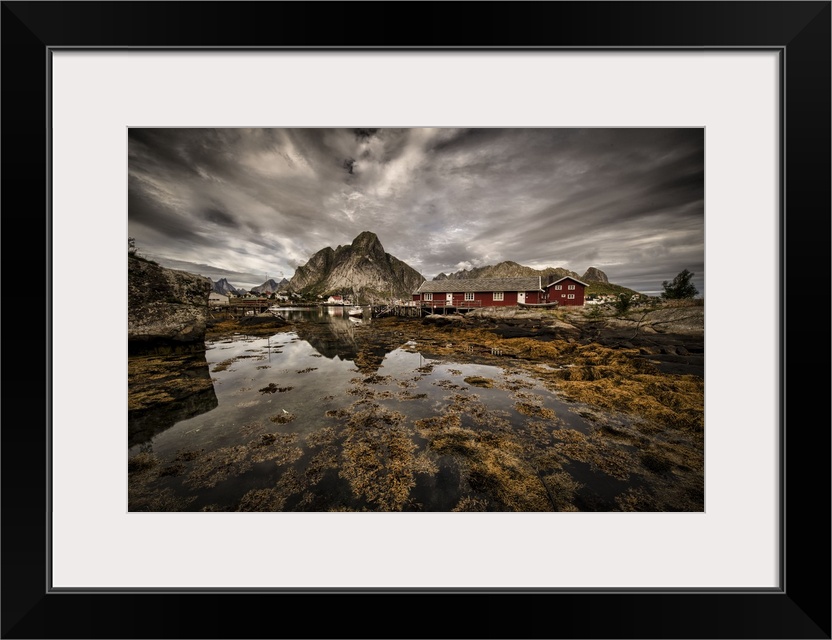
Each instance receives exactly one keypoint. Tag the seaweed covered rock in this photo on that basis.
(167, 310)
(440, 320)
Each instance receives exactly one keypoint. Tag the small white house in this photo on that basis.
(216, 299)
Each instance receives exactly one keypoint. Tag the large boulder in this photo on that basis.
(167, 310)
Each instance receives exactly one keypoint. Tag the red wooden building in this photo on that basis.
(567, 291)
(480, 292)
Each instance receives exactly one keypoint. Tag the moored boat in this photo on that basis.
(538, 305)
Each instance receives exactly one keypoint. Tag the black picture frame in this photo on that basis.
(799, 31)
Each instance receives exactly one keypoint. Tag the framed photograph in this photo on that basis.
(118, 113)
(372, 373)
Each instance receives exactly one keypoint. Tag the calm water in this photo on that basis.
(299, 421)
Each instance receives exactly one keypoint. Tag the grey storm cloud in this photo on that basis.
(247, 202)
(219, 216)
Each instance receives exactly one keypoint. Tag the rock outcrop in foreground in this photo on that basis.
(167, 310)
(670, 335)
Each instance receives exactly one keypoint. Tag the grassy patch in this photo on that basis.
(218, 465)
(321, 437)
(656, 463)
(224, 365)
(406, 395)
(377, 379)
(142, 461)
(535, 411)
(262, 500)
(279, 447)
(378, 458)
(561, 488)
(479, 381)
(493, 466)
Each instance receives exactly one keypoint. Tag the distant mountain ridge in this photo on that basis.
(597, 280)
(270, 286)
(509, 269)
(361, 268)
(224, 287)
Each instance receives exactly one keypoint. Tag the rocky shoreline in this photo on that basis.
(669, 336)
(648, 362)
(635, 378)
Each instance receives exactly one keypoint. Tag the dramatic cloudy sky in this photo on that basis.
(250, 203)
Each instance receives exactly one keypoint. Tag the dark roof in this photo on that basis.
(567, 278)
(480, 284)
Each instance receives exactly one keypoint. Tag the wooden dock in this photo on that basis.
(398, 310)
(239, 308)
(423, 309)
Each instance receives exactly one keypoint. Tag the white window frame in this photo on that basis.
(558, 287)
(469, 295)
(571, 296)
(498, 296)
(428, 297)
(571, 286)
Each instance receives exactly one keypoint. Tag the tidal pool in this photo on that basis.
(311, 420)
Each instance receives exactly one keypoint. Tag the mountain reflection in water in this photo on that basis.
(166, 390)
(329, 331)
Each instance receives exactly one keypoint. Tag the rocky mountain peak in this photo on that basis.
(365, 239)
(223, 286)
(361, 269)
(269, 286)
(594, 274)
(366, 245)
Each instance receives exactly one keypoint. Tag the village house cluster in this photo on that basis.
(223, 299)
(501, 292)
(465, 294)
